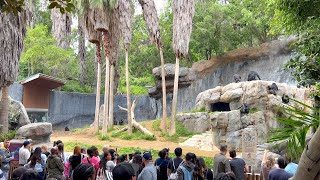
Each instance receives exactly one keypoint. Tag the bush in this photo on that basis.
(7, 136)
(136, 135)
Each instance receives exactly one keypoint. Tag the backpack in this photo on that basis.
(101, 175)
(187, 175)
(174, 174)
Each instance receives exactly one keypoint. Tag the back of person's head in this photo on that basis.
(137, 159)
(130, 156)
(125, 156)
(123, 171)
(30, 175)
(90, 152)
(178, 152)
(233, 153)
(83, 150)
(54, 151)
(162, 154)
(37, 152)
(44, 148)
(17, 173)
(113, 154)
(191, 157)
(83, 172)
(282, 162)
(270, 162)
(95, 150)
(55, 143)
(120, 159)
(223, 148)
(60, 147)
(202, 163)
(77, 151)
(137, 152)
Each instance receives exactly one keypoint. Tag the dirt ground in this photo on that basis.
(88, 136)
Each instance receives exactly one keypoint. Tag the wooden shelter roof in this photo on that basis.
(43, 80)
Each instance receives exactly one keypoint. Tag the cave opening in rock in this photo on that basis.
(220, 106)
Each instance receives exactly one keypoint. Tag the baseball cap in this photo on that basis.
(123, 171)
(26, 143)
(147, 156)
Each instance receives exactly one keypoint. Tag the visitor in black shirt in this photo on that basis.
(238, 166)
(175, 162)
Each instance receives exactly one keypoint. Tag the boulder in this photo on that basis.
(234, 123)
(205, 98)
(17, 115)
(219, 119)
(38, 132)
(195, 122)
(169, 71)
(231, 95)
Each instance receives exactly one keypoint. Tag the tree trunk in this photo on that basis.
(61, 28)
(164, 94)
(81, 51)
(128, 93)
(106, 85)
(309, 164)
(96, 117)
(174, 99)
(4, 110)
(111, 96)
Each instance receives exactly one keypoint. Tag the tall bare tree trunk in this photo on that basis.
(111, 96)
(96, 116)
(174, 99)
(81, 51)
(4, 110)
(164, 94)
(107, 84)
(61, 27)
(309, 164)
(128, 94)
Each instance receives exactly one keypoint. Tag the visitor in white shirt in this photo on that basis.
(24, 153)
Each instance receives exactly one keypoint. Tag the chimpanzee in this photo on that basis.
(244, 108)
(273, 88)
(252, 76)
(285, 99)
(66, 128)
(236, 78)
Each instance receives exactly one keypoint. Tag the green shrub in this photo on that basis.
(7, 136)
(201, 109)
(136, 135)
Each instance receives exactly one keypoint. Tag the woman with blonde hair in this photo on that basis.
(268, 164)
(74, 160)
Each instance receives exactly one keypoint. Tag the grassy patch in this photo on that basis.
(136, 135)
(7, 136)
(128, 150)
(253, 110)
(181, 132)
(85, 128)
(201, 109)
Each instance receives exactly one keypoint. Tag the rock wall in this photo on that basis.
(16, 91)
(227, 126)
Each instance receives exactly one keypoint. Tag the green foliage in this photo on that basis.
(201, 109)
(253, 110)
(137, 85)
(74, 86)
(104, 138)
(136, 135)
(7, 136)
(297, 122)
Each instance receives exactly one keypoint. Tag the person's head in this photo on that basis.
(137, 159)
(146, 157)
(167, 150)
(123, 171)
(30, 175)
(130, 156)
(233, 153)
(6, 143)
(27, 144)
(270, 162)
(125, 157)
(120, 159)
(17, 173)
(282, 162)
(83, 150)
(83, 172)
(60, 147)
(44, 148)
(224, 149)
(191, 157)
(33, 160)
(113, 154)
(90, 152)
(162, 154)
(95, 151)
(202, 163)
(77, 151)
(105, 149)
(54, 151)
(37, 152)
(55, 143)
(178, 152)
(137, 153)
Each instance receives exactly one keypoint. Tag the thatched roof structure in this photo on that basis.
(183, 12)
(152, 20)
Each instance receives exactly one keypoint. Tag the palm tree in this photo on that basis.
(81, 50)
(183, 12)
(297, 123)
(61, 28)
(126, 30)
(12, 33)
(152, 21)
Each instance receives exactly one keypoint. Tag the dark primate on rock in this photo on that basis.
(273, 88)
(285, 99)
(244, 109)
(66, 128)
(252, 76)
(237, 78)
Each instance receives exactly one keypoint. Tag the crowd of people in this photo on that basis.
(89, 164)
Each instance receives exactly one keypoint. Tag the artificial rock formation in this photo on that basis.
(186, 77)
(222, 114)
(17, 115)
(38, 132)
